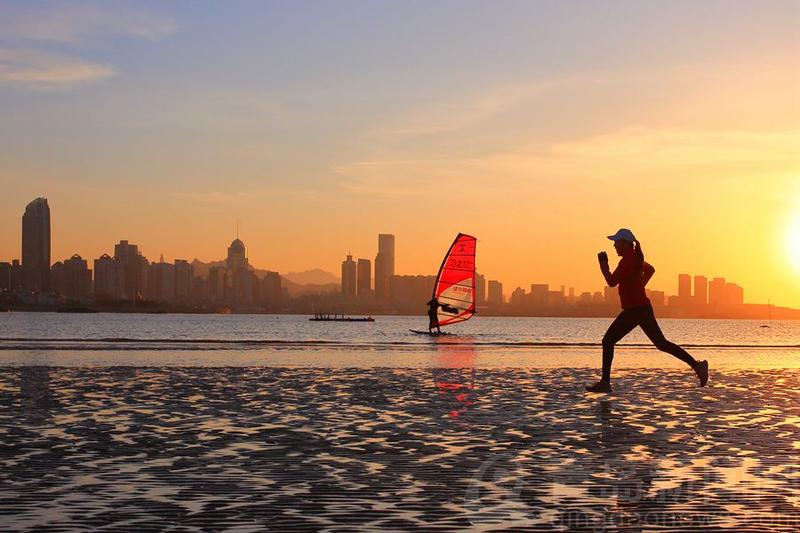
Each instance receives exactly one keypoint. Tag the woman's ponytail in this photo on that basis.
(637, 249)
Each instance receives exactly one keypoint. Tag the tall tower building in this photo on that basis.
(716, 292)
(480, 289)
(131, 272)
(237, 256)
(349, 276)
(384, 265)
(684, 287)
(36, 246)
(495, 292)
(700, 290)
(363, 278)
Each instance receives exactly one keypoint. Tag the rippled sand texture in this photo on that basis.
(249, 448)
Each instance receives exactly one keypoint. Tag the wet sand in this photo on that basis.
(248, 449)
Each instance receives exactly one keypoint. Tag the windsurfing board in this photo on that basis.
(431, 333)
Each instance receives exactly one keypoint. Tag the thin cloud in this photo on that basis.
(447, 117)
(45, 71)
(73, 23)
(627, 152)
(238, 197)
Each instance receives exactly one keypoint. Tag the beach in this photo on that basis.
(257, 448)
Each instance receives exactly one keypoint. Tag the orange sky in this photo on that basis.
(538, 147)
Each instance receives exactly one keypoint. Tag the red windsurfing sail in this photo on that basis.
(455, 284)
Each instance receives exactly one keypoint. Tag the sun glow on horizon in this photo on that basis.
(793, 240)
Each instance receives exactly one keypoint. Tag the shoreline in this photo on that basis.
(663, 313)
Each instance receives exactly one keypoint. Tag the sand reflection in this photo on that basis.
(314, 448)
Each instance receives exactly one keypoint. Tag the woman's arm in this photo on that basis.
(647, 273)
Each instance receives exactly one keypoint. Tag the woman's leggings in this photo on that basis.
(643, 317)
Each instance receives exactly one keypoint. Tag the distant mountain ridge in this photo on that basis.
(316, 281)
(315, 276)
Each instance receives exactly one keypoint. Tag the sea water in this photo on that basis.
(140, 339)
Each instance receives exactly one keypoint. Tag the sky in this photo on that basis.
(538, 126)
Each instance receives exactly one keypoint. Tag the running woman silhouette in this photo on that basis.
(631, 275)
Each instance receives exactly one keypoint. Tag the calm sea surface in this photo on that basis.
(103, 339)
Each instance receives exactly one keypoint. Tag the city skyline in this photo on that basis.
(129, 275)
(464, 119)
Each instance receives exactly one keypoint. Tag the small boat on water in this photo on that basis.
(324, 317)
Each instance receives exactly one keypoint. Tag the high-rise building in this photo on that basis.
(105, 277)
(349, 276)
(72, 279)
(243, 281)
(734, 294)
(495, 295)
(518, 296)
(131, 271)
(16, 275)
(539, 295)
(480, 289)
(184, 274)
(411, 292)
(684, 287)
(5, 276)
(384, 265)
(217, 286)
(237, 255)
(271, 291)
(363, 278)
(239, 281)
(161, 282)
(657, 298)
(700, 291)
(36, 246)
(716, 292)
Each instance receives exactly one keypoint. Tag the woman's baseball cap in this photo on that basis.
(622, 234)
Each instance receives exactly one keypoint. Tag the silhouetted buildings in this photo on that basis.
(480, 289)
(130, 272)
(684, 287)
(72, 279)
(16, 275)
(128, 281)
(657, 298)
(161, 282)
(411, 293)
(105, 277)
(384, 266)
(539, 294)
(349, 277)
(5, 276)
(364, 278)
(233, 285)
(271, 291)
(183, 282)
(36, 246)
(495, 293)
(700, 291)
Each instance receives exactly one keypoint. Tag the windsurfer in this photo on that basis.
(433, 315)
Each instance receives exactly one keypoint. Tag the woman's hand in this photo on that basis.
(602, 257)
